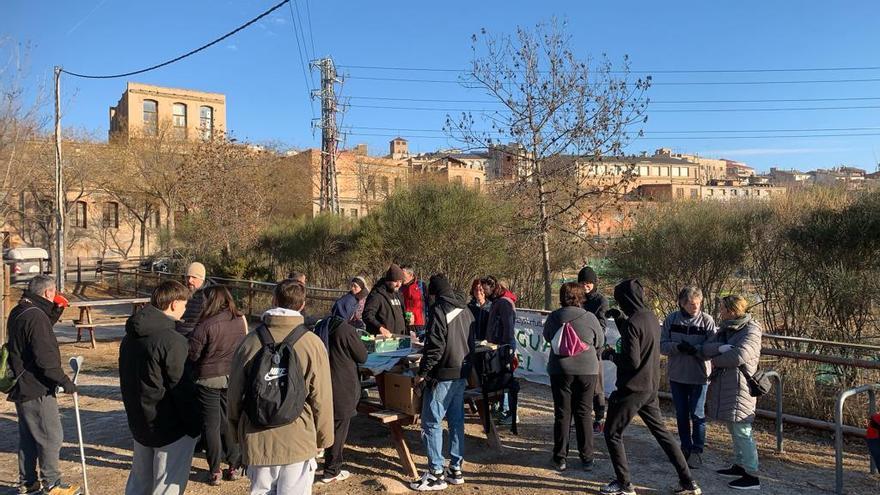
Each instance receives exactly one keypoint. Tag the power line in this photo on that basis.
(661, 102)
(789, 136)
(302, 59)
(185, 55)
(659, 71)
(692, 110)
(653, 83)
(311, 31)
(696, 131)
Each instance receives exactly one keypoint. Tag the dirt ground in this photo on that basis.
(521, 467)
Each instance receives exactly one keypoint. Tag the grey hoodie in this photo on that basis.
(588, 330)
(696, 330)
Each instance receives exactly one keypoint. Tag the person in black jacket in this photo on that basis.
(36, 362)
(573, 379)
(346, 351)
(383, 311)
(444, 368)
(159, 394)
(597, 304)
(638, 379)
(479, 306)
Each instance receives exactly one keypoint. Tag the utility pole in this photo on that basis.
(59, 190)
(329, 193)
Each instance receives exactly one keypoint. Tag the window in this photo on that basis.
(110, 218)
(679, 192)
(711, 192)
(206, 122)
(664, 171)
(156, 219)
(397, 183)
(643, 171)
(371, 187)
(151, 117)
(476, 183)
(694, 193)
(80, 210)
(178, 120)
(354, 213)
(383, 182)
(457, 180)
(655, 171)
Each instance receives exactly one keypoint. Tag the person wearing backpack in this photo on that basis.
(573, 366)
(735, 350)
(443, 370)
(682, 336)
(34, 359)
(280, 397)
(159, 395)
(346, 351)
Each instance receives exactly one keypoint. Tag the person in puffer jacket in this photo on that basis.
(681, 339)
(737, 344)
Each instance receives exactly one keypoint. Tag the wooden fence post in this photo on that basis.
(78, 271)
(250, 306)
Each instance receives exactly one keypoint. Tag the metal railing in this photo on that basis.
(871, 390)
(779, 415)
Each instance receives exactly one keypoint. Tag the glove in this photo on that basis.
(724, 348)
(614, 313)
(69, 387)
(608, 354)
(686, 348)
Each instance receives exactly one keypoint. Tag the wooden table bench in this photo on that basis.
(85, 322)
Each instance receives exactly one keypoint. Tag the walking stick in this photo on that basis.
(76, 366)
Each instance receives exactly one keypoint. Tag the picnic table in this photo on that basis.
(85, 321)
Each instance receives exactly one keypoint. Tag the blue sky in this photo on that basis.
(267, 95)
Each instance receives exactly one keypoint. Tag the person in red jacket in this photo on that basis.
(413, 292)
(872, 437)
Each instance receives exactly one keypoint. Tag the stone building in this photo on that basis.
(146, 110)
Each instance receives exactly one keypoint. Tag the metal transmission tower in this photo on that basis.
(329, 193)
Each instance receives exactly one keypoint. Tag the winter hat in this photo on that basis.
(588, 275)
(394, 274)
(196, 269)
(361, 282)
(438, 285)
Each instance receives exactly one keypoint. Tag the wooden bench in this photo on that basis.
(85, 314)
(91, 328)
(394, 420)
(475, 396)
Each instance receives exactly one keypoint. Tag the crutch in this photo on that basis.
(76, 366)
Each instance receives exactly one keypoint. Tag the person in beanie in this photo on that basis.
(597, 304)
(196, 281)
(159, 395)
(383, 311)
(34, 358)
(350, 307)
(414, 301)
(443, 371)
(638, 379)
(682, 336)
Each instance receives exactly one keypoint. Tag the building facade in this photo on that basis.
(145, 110)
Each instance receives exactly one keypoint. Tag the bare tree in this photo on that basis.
(562, 115)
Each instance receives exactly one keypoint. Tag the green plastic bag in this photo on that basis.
(7, 379)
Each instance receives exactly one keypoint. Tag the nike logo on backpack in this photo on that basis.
(275, 373)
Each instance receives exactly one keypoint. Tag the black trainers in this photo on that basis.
(429, 482)
(560, 465)
(695, 460)
(734, 471)
(587, 465)
(616, 488)
(747, 482)
(453, 476)
(689, 488)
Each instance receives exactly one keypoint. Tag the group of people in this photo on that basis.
(188, 360)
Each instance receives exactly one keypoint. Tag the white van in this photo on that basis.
(25, 263)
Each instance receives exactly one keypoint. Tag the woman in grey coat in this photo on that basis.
(735, 349)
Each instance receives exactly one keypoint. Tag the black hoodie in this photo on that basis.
(638, 363)
(33, 348)
(158, 393)
(384, 308)
(449, 338)
(346, 352)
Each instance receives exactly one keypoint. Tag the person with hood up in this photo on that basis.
(596, 303)
(159, 395)
(444, 369)
(681, 339)
(35, 360)
(346, 351)
(350, 307)
(383, 311)
(573, 379)
(638, 379)
(735, 350)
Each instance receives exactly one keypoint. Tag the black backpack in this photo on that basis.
(495, 371)
(759, 383)
(276, 394)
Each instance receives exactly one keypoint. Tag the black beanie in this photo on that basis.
(438, 285)
(394, 274)
(588, 275)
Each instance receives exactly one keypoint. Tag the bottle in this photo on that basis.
(618, 347)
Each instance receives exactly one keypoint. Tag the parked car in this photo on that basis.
(26, 263)
(155, 265)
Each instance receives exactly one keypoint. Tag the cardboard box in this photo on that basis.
(400, 395)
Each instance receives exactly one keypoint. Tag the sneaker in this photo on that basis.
(32, 489)
(598, 428)
(587, 465)
(734, 471)
(233, 474)
(560, 465)
(695, 460)
(453, 476)
(747, 482)
(505, 419)
(214, 479)
(689, 488)
(342, 476)
(429, 482)
(616, 488)
(60, 488)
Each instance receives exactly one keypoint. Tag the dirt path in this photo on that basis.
(522, 467)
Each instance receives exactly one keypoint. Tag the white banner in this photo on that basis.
(533, 351)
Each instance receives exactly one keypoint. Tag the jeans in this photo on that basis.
(443, 399)
(39, 439)
(220, 441)
(160, 470)
(745, 452)
(572, 394)
(690, 414)
(622, 408)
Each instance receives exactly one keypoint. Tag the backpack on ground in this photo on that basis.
(495, 372)
(276, 390)
(566, 342)
(759, 383)
(7, 377)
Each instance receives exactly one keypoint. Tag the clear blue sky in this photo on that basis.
(259, 69)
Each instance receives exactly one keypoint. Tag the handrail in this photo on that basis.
(779, 393)
(830, 343)
(838, 429)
